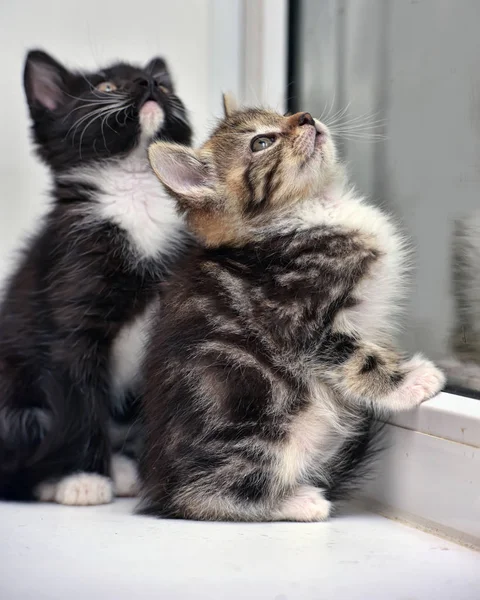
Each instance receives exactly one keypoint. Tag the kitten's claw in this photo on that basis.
(422, 381)
(307, 504)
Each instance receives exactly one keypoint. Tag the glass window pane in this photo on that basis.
(402, 81)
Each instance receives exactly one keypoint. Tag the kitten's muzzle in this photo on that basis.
(321, 133)
(146, 89)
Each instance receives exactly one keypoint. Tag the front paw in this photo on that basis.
(422, 380)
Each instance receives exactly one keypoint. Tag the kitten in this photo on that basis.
(75, 312)
(463, 366)
(275, 339)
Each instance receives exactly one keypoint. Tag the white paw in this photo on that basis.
(45, 492)
(307, 504)
(125, 476)
(422, 381)
(80, 489)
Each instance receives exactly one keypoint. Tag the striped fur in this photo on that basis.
(276, 346)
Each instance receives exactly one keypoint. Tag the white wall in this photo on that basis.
(88, 34)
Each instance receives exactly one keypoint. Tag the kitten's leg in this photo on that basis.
(125, 434)
(125, 476)
(82, 448)
(303, 503)
(237, 491)
(379, 376)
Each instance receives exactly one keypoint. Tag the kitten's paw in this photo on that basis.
(422, 381)
(125, 476)
(84, 489)
(307, 504)
(45, 492)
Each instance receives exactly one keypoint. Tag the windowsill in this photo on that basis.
(56, 552)
(429, 475)
(448, 416)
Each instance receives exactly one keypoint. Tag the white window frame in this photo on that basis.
(249, 52)
(430, 473)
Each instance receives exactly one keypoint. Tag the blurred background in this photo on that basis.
(399, 79)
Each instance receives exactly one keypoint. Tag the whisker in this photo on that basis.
(339, 114)
(105, 115)
(372, 137)
(358, 127)
(95, 112)
(179, 118)
(84, 130)
(367, 117)
(325, 107)
(114, 96)
(86, 104)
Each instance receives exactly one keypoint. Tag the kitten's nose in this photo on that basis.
(305, 119)
(142, 82)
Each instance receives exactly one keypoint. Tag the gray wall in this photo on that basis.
(416, 63)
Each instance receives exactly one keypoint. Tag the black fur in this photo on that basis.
(79, 281)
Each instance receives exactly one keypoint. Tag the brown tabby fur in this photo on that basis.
(275, 343)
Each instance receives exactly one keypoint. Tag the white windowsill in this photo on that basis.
(430, 473)
(56, 552)
(454, 418)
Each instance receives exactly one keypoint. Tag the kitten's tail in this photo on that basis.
(21, 433)
(353, 463)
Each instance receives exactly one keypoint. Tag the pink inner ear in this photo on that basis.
(45, 86)
(182, 174)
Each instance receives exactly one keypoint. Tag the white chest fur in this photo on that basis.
(131, 196)
(128, 351)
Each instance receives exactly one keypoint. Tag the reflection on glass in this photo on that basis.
(463, 364)
(401, 81)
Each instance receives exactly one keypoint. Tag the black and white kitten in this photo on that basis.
(72, 321)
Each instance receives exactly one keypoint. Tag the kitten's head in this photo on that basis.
(253, 168)
(83, 116)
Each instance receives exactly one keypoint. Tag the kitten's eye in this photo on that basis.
(164, 89)
(106, 86)
(262, 142)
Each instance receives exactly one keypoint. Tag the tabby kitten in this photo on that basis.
(75, 312)
(275, 342)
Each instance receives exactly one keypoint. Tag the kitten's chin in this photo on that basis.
(151, 118)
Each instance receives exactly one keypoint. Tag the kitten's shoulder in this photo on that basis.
(347, 211)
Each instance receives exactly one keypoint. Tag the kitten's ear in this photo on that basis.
(230, 104)
(189, 177)
(158, 69)
(45, 81)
